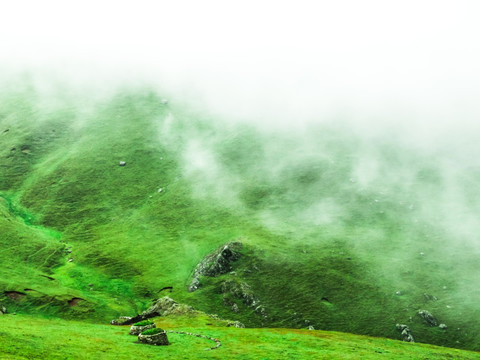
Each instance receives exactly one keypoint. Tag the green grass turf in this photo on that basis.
(27, 337)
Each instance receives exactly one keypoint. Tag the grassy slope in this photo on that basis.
(63, 187)
(26, 337)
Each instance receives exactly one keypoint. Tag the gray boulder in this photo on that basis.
(428, 317)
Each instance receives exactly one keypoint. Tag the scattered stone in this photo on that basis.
(443, 326)
(236, 324)
(241, 291)
(3, 309)
(310, 327)
(406, 333)
(137, 330)
(216, 263)
(122, 163)
(159, 338)
(428, 317)
(90, 284)
(398, 293)
(70, 260)
(422, 253)
(429, 297)
(160, 190)
(164, 101)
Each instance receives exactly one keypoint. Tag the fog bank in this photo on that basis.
(407, 67)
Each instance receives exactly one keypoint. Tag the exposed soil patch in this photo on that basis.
(74, 301)
(15, 295)
(48, 277)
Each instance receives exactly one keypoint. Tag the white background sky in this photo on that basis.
(274, 61)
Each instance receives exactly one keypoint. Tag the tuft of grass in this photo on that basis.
(143, 323)
(152, 331)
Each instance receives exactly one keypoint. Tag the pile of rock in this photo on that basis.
(161, 307)
(158, 337)
(406, 333)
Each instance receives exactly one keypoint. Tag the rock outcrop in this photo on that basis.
(428, 317)
(161, 307)
(216, 263)
(405, 331)
(166, 306)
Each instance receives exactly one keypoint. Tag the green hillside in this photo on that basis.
(338, 231)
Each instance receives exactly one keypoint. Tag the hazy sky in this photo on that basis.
(413, 62)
